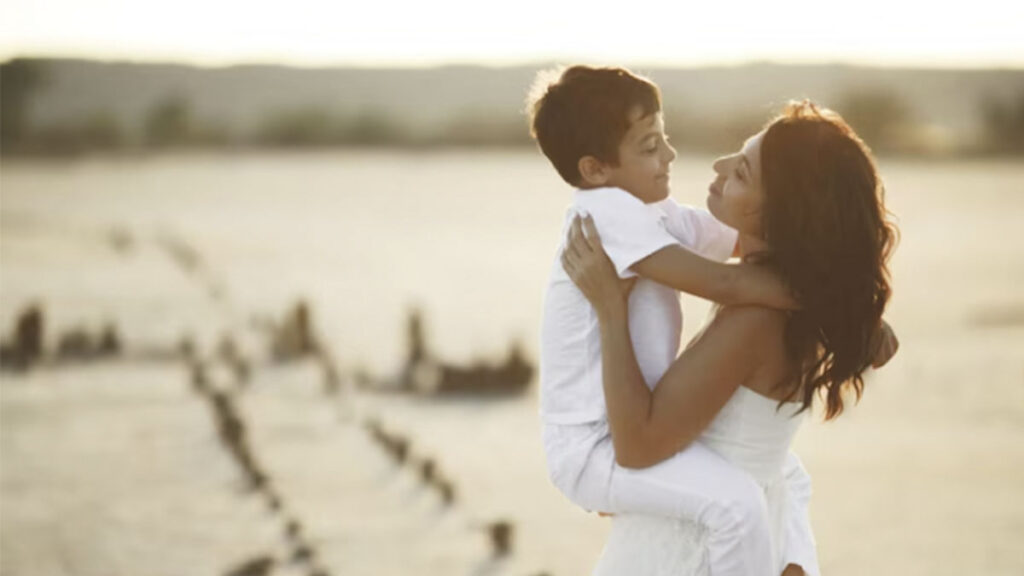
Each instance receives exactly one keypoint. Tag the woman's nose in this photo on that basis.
(719, 165)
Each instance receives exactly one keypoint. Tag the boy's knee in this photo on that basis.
(741, 514)
(566, 481)
(557, 479)
(751, 511)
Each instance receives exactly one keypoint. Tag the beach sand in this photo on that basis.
(117, 466)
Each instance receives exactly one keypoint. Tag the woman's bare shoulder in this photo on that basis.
(758, 326)
(763, 331)
(753, 317)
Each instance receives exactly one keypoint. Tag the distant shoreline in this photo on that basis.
(527, 64)
(64, 107)
(143, 154)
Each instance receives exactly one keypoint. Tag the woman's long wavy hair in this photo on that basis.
(825, 219)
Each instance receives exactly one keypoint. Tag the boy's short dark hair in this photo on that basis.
(584, 111)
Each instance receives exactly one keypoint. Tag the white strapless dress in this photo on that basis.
(750, 433)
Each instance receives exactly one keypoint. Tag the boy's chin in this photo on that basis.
(650, 196)
(657, 194)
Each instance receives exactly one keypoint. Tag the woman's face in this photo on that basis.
(736, 196)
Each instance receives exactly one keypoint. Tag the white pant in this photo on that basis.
(696, 484)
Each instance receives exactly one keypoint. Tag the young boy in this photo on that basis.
(602, 130)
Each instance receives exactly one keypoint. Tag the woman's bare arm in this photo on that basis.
(650, 426)
(646, 426)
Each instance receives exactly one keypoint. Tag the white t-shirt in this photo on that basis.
(571, 391)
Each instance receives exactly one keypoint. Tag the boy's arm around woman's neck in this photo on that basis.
(727, 284)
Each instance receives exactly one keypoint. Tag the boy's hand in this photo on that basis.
(885, 344)
(793, 570)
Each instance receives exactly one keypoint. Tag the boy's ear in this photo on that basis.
(593, 171)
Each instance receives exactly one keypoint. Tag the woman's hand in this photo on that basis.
(589, 267)
(885, 345)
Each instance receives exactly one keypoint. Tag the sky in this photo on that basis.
(980, 33)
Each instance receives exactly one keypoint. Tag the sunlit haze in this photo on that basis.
(321, 32)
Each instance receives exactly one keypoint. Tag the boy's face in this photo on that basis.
(645, 157)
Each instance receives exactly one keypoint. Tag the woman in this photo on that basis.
(807, 201)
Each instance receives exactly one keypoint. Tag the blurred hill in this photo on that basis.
(69, 105)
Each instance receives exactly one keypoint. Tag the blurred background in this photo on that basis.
(272, 277)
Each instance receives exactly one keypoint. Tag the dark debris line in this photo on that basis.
(291, 340)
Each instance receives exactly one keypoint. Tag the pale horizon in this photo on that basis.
(450, 32)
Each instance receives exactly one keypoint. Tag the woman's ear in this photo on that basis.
(593, 171)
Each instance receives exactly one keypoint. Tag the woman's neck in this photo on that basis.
(751, 245)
